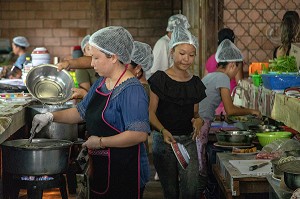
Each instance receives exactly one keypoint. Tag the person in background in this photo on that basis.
(290, 26)
(141, 61)
(174, 102)
(161, 51)
(230, 61)
(19, 46)
(212, 65)
(116, 114)
(85, 77)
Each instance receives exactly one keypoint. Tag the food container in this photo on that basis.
(263, 128)
(268, 137)
(48, 85)
(39, 56)
(280, 81)
(291, 173)
(235, 138)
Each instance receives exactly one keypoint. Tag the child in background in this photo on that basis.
(230, 61)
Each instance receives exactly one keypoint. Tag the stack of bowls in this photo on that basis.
(39, 56)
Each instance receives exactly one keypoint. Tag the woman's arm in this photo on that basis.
(125, 139)
(69, 116)
(197, 121)
(231, 109)
(81, 62)
(168, 138)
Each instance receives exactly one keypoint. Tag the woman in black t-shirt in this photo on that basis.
(174, 101)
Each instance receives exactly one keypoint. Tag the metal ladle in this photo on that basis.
(32, 134)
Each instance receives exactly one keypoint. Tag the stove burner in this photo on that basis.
(35, 185)
(37, 178)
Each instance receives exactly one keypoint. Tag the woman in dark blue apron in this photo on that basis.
(116, 114)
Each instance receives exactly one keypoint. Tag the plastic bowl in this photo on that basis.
(267, 138)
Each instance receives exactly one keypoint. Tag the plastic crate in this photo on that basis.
(280, 81)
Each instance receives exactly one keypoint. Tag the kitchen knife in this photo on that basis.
(253, 167)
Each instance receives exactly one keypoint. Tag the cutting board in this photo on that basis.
(243, 167)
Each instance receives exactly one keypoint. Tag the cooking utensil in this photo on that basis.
(267, 138)
(254, 167)
(32, 133)
(48, 85)
(291, 172)
(181, 154)
(54, 130)
(40, 157)
(235, 138)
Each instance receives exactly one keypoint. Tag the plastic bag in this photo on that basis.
(278, 148)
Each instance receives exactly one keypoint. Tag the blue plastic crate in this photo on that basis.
(280, 81)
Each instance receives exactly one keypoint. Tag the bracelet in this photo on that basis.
(161, 130)
(100, 143)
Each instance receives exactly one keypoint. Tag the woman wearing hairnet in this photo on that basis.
(84, 77)
(116, 114)
(230, 61)
(161, 51)
(174, 102)
(19, 46)
(141, 61)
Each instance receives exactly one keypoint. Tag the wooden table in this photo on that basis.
(232, 183)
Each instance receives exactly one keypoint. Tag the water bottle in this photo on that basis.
(26, 68)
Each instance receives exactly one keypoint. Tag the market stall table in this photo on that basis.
(232, 183)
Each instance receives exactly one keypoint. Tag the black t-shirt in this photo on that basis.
(176, 101)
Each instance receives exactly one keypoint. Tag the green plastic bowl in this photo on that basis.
(268, 137)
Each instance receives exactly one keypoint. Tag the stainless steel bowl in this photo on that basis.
(291, 172)
(235, 138)
(48, 85)
(264, 128)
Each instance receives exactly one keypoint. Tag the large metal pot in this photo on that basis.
(53, 130)
(291, 173)
(235, 138)
(41, 157)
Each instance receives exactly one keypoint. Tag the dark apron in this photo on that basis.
(114, 172)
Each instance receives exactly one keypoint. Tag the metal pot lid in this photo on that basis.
(48, 85)
(290, 167)
(37, 144)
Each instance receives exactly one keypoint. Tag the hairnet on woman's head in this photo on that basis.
(113, 40)
(177, 20)
(21, 41)
(181, 35)
(142, 55)
(228, 52)
(84, 42)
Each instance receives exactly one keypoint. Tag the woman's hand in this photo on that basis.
(63, 65)
(93, 142)
(78, 93)
(257, 113)
(197, 124)
(168, 138)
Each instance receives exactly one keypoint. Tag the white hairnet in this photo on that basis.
(176, 20)
(84, 41)
(21, 41)
(113, 40)
(181, 35)
(228, 52)
(142, 55)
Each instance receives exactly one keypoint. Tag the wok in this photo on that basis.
(235, 138)
(41, 157)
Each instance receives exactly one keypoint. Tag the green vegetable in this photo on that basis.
(283, 64)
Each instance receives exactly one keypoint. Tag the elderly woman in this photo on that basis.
(116, 113)
(174, 102)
